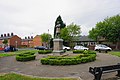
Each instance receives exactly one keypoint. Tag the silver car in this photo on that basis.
(80, 48)
(102, 47)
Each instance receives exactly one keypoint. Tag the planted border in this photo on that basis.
(58, 60)
(26, 56)
(78, 51)
(44, 51)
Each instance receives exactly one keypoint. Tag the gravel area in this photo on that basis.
(35, 68)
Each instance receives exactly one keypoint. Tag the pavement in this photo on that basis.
(35, 68)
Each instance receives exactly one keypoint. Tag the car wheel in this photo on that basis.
(65, 49)
(108, 50)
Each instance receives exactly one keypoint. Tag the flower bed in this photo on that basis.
(26, 56)
(69, 60)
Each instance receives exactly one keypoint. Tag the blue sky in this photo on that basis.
(32, 17)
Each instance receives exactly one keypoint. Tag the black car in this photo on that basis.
(41, 48)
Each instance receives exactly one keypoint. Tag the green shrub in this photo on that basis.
(44, 51)
(84, 51)
(58, 60)
(78, 51)
(26, 56)
(89, 52)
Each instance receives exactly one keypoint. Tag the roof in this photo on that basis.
(7, 37)
(83, 38)
(27, 39)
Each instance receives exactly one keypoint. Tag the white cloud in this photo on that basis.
(24, 17)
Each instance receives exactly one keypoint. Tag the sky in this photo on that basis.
(35, 17)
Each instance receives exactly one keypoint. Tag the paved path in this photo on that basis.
(35, 68)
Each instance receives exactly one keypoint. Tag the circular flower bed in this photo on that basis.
(26, 56)
(69, 60)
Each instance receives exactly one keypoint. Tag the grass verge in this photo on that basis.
(13, 76)
(5, 54)
(115, 53)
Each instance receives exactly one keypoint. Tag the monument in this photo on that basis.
(57, 42)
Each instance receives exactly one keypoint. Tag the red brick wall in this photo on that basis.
(37, 41)
(27, 43)
(0, 41)
(13, 40)
(24, 43)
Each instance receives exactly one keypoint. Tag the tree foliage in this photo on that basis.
(108, 29)
(71, 31)
(5, 41)
(65, 34)
(62, 25)
(46, 37)
(74, 30)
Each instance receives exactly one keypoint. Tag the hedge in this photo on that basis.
(58, 60)
(44, 51)
(84, 51)
(26, 56)
(78, 51)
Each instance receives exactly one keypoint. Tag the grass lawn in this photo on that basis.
(116, 53)
(13, 76)
(5, 54)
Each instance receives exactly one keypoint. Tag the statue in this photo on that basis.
(57, 35)
(58, 26)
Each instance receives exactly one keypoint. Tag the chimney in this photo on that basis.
(25, 37)
(31, 37)
(1, 35)
(11, 34)
(4, 35)
(8, 34)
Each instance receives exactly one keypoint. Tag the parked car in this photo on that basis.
(80, 48)
(1, 49)
(66, 48)
(41, 47)
(10, 48)
(101, 47)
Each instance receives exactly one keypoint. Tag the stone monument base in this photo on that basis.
(58, 46)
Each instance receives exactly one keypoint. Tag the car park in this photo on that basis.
(40, 47)
(80, 48)
(101, 47)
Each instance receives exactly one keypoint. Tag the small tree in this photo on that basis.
(46, 38)
(5, 41)
(70, 32)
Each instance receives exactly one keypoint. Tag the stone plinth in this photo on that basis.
(58, 45)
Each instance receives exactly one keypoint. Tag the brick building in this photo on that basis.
(13, 40)
(37, 41)
(27, 42)
(31, 42)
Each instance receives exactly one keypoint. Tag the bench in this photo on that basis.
(98, 71)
